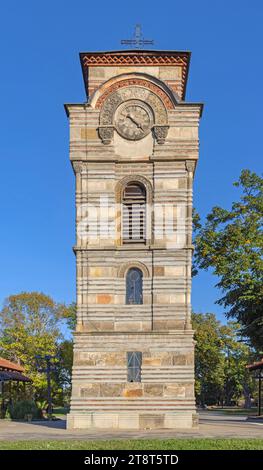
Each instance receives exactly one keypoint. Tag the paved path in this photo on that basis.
(212, 425)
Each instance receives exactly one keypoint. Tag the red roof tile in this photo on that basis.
(5, 364)
(256, 365)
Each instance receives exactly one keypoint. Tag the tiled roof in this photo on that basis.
(5, 364)
(13, 375)
(256, 365)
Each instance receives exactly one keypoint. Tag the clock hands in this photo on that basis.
(133, 121)
(130, 116)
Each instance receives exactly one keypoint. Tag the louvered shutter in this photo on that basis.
(133, 214)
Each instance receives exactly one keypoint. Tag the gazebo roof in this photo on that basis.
(8, 365)
(256, 365)
(16, 376)
(12, 371)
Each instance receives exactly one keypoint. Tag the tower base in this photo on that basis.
(122, 420)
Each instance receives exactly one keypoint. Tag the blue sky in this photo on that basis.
(40, 70)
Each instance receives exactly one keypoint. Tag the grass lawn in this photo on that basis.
(60, 411)
(231, 411)
(143, 444)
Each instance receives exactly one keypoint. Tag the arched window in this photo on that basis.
(134, 286)
(133, 218)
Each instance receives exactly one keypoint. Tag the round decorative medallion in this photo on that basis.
(133, 119)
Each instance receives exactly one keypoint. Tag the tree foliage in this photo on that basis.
(69, 313)
(220, 362)
(231, 243)
(238, 381)
(63, 375)
(209, 360)
(30, 325)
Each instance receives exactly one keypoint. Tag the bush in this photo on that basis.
(21, 409)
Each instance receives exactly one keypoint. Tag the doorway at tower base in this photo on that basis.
(123, 420)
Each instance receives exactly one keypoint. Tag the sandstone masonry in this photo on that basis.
(104, 162)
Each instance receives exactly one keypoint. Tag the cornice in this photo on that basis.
(135, 58)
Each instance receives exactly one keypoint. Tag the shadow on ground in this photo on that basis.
(54, 424)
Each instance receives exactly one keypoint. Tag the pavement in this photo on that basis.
(211, 425)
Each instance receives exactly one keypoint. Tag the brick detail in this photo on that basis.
(136, 82)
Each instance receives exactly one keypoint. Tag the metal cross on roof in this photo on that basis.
(138, 41)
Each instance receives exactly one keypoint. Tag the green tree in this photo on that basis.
(220, 362)
(238, 382)
(30, 325)
(65, 354)
(69, 313)
(231, 243)
(209, 359)
(63, 376)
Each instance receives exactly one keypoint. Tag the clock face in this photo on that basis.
(133, 120)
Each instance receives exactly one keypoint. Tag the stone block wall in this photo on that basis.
(104, 162)
(102, 395)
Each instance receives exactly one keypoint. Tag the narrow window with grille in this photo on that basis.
(134, 366)
(134, 286)
(134, 213)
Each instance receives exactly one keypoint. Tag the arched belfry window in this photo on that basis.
(134, 213)
(134, 286)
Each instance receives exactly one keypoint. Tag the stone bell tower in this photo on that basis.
(133, 148)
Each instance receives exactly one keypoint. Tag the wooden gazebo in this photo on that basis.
(10, 372)
(258, 366)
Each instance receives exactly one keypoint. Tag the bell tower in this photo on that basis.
(134, 149)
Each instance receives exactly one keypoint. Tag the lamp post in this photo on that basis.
(45, 364)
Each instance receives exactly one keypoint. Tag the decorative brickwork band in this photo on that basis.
(131, 82)
(143, 59)
(131, 59)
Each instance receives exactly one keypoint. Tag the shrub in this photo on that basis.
(21, 409)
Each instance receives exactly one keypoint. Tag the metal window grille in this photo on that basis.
(134, 214)
(134, 366)
(134, 286)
